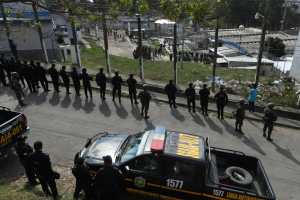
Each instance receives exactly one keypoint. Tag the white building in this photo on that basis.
(56, 31)
(295, 70)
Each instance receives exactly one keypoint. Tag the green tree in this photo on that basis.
(275, 46)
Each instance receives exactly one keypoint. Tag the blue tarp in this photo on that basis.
(28, 14)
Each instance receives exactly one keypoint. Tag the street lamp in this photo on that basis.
(262, 44)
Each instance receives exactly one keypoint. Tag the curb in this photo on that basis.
(126, 94)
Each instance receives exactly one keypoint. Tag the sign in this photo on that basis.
(140, 182)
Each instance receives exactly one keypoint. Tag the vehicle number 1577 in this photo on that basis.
(176, 184)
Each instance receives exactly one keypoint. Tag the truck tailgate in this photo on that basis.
(11, 130)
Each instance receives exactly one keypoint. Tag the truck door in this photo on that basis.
(182, 179)
(142, 176)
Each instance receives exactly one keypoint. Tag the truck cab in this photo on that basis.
(164, 164)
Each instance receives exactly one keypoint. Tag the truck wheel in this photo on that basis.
(239, 175)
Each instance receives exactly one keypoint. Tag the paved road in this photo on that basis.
(64, 123)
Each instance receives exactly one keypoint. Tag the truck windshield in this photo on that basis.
(131, 147)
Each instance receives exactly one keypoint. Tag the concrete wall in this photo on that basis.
(295, 70)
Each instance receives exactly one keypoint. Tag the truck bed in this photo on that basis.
(221, 159)
(6, 115)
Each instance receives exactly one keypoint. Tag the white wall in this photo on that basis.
(26, 37)
(295, 70)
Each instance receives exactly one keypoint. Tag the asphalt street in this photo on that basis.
(64, 123)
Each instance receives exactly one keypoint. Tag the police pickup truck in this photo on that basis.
(163, 164)
(12, 126)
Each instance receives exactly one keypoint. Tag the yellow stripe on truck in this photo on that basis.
(244, 197)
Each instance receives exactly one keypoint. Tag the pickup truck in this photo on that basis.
(13, 125)
(164, 164)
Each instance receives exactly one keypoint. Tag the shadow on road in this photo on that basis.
(149, 125)
(40, 98)
(136, 113)
(121, 111)
(286, 153)
(212, 125)
(54, 101)
(175, 113)
(77, 103)
(247, 140)
(104, 108)
(197, 119)
(89, 105)
(10, 168)
(66, 102)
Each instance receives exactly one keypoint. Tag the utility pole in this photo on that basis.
(175, 54)
(105, 37)
(261, 50)
(75, 41)
(12, 46)
(285, 4)
(140, 47)
(262, 39)
(216, 45)
(39, 29)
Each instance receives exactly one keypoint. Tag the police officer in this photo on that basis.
(19, 71)
(109, 181)
(24, 151)
(190, 94)
(55, 77)
(76, 80)
(204, 98)
(25, 71)
(101, 82)
(86, 78)
(269, 118)
(17, 88)
(240, 116)
(43, 169)
(171, 91)
(221, 100)
(41, 73)
(2, 73)
(66, 80)
(117, 86)
(34, 75)
(83, 179)
(145, 98)
(131, 82)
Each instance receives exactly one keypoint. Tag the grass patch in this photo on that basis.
(162, 71)
(20, 190)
